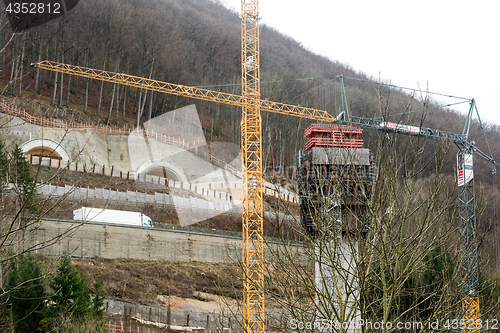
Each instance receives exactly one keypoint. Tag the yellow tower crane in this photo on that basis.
(251, 142)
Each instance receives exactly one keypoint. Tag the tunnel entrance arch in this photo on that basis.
(163, 169)
(45, 148)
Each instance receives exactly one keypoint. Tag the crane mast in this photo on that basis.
(251, 151)
(468, 247)
(468, 225)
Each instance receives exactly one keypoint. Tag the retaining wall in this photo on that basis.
(119, 241)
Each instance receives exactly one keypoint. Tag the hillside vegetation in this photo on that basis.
(197, 43)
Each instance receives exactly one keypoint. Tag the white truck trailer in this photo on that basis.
(87, 214)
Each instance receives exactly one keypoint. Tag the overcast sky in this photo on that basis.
(451, 47)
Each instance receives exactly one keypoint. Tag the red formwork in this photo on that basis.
(334, 193)
(328, 135)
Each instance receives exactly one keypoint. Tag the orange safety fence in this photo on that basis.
(105, 129)
(108, 130)
(127, 329)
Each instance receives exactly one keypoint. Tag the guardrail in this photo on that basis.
(209, 190)
(104, 170)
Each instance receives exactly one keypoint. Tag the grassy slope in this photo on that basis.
(141, 281)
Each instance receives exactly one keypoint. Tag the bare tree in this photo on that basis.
(392, 257)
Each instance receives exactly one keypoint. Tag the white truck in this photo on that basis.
(87, 214)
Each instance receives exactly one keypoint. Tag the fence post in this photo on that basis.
(168, 319)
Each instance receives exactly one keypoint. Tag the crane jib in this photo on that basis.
(185, 91)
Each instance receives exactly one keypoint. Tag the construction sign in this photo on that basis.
(465, 168)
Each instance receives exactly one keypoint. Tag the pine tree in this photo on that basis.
(27, 294)
(24, 183)
(98, 301)
(71, 296)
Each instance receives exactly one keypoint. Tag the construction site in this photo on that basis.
(202, 206)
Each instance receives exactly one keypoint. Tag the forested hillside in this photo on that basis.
(197, 43)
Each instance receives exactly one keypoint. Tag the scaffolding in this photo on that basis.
(336, 175)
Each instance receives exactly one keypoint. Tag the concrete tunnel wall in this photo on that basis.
(123, 151)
